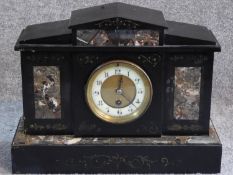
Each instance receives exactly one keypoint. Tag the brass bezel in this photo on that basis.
(127, 118)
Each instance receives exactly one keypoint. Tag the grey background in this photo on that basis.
(217, 15)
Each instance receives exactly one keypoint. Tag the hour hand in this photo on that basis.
(120, 82)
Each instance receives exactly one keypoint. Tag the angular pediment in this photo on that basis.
(116, 24)
(117, 16)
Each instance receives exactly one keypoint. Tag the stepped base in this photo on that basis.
(67, 154)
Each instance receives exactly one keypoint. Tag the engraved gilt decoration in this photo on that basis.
(117, 23)
(187, 93)
(47, 92)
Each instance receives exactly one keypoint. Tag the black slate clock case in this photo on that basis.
(58, 125)
(55, 44)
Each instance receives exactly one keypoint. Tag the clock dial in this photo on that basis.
(119, 92)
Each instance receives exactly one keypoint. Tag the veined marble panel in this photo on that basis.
(138, 38)
(47, 96)
(187, 93)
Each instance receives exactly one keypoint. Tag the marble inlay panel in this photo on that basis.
(118, 37)
(47, 96)
(187, 93)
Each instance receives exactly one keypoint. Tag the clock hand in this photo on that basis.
(123, 95)
(120, 82)
(119, 91)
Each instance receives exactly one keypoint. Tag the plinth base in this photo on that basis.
(67, 154)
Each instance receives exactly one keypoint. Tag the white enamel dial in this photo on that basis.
(119, 91)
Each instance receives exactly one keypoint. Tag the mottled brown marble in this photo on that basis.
(47, 96)
(187, 93)
(118, 37)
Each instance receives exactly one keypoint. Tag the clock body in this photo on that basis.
(108, 75)
(116, 89)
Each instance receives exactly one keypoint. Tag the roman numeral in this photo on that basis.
(98, 82)
(106, 75)
(140, 91)
(117, 71)
(137, 80)
(96, 92)
(100, 103)
(119, 112)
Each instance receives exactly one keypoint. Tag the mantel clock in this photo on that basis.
(116, 89)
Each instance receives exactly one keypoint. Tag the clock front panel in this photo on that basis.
(116, 95)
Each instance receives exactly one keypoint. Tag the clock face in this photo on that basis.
(119, 92)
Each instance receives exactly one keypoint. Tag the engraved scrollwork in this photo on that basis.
(164, 161)
(117, 23)
(87, 59)
(197, 59)
(89, 127)
(58, 126)
(150, 127)
(116, 160)
(177, 127)
(153, 60)
(45, 58)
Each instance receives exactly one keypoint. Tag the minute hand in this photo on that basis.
(123, 94)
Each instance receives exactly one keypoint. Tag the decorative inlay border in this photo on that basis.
(117, 23)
